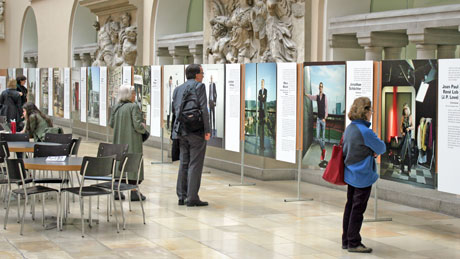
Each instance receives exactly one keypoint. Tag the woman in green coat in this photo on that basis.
(36, 122)
(128, 127)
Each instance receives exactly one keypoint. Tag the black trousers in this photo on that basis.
(353, 215)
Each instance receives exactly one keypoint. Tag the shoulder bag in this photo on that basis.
(334, 172)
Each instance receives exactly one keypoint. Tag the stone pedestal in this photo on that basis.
(446, 51)
(85, 60)
(426, 51)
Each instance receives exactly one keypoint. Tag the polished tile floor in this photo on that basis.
(241, 222)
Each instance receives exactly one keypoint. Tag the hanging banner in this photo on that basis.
(360, 83)
(449, 125)
(83, 94)
(127, 74)
(66, 93)
(286, 115)
(50, 91)
(37, 88)
(155, 127)
(103, 97)
(233, 107)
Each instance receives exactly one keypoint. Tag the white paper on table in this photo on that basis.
(422, 92)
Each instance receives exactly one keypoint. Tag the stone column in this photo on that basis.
(26, 62)
(34, 61)
(446, 51)
(197, 52)
(426, 51)
(86, 59)
(178, 54)
(77, 60)
(393, 52)
(373, 53)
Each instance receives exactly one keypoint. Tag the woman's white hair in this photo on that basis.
(125, 92)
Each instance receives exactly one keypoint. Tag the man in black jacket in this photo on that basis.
(212, 106)
(20, 87)
(192, 144)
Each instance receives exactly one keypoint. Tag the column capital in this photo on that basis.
(446, 51)
(434, 36)
(382, 39)
(343, 41)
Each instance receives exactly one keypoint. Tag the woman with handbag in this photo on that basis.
(360, 148)
(129, 128)
(407, 126)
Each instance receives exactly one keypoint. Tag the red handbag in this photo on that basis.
(334, 172)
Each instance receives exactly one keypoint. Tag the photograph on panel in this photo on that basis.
(93, 94)
(409, 119)
(44, 90)
(324, 111)
(114, 82)
(142, 87)
(173, 76)
(3, 78)
(31, 84)
(58, 92)
(214, 79)
(260, 109)
(11, 73)
(75, 77)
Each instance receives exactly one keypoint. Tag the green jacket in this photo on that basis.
(126, 121)
(37, 127)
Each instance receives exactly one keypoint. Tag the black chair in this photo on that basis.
(75, 146)
(46, 151)
(18, 137)
(93, 166)
(104, 150)
(4, 154)
(130, 163)
(17, 174)
(58, 138)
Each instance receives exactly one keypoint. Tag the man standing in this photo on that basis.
(262, 105)
(192, 144)
(321, 118)
(212, 105)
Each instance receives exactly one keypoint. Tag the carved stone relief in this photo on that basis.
(2, 19)
(245, 31)
(116, 41)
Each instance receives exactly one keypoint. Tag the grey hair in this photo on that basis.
(125, 92)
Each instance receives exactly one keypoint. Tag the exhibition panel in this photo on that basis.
(260, 109)
(360, 83)
(142, 83)
(173, 76)
(449, 125)
(409, 120)
(323, 111)
(232, 107)
(93, 94)
(214, 80)
(75, 77)
(44, 90)
(155, 100)
(58, 92)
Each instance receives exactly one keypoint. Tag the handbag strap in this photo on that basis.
(341, 141)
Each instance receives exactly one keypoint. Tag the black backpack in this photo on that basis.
(190, 116)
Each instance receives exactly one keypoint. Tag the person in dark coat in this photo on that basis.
(262, 109)
(11, 104)
(21, 88)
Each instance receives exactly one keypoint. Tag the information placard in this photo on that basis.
(155, 125)
(449, 125)
(50, 91)
(286, 115)
(127, 74)
(360, 80)
(233, 107)
(83, 95)
(66, 93)
(103, 97)
(37, 88)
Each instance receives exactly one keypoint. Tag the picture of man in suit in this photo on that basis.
(262, 97)
(212, 105)
(168, 107)
(321, 119)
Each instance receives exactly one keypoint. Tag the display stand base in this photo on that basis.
(241, 184)
(378, 220)
(297, 199)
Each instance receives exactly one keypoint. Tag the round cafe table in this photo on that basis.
(24, 146)
(40, 163)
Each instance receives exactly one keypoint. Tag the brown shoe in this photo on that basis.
(360, 249)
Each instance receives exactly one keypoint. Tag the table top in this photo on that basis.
(24, 146)
(40, 163)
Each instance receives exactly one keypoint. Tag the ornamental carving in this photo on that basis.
(2, 19)
(116, 42)
(244, 31)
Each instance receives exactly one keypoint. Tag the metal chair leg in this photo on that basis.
(122, 212)
(89, 211)
(43, 209)
(58, 211)
(109, 198)
(19, 206)
(82, 219)
(23, 215)
(142, 203)
(116, 216)
(7, 210)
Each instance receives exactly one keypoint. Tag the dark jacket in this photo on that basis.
(24, 92)
(177, 101)
(213, 98)
(11, 105)
(359, 146)
(37, 127)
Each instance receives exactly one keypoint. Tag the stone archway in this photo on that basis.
(29, 39)
(83, 36)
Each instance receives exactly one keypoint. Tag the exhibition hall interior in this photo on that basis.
(327, 128)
